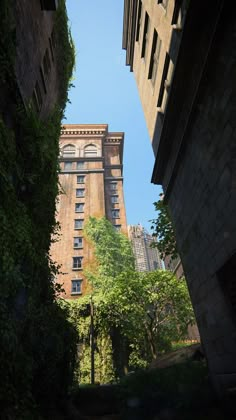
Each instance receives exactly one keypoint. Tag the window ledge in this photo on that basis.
(177, 27)
(77, 269)
(76, 293)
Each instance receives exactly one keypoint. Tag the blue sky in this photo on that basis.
(105, 93)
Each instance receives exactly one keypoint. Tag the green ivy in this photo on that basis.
(38, 344)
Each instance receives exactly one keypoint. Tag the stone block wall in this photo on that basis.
(202, 203)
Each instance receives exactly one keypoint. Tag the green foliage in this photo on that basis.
(65, 52)
(145, 310)
(163, 230)
(79, 316)
(38, 344)
(112, 249)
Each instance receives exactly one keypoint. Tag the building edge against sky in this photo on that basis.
(91, 180)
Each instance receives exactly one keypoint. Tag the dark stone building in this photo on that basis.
(194, 142)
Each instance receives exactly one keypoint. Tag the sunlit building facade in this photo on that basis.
(91, 180)
(147, 258)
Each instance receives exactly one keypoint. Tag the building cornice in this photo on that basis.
(84, 132)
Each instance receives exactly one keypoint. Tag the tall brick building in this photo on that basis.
(91, 181)
(184, 60)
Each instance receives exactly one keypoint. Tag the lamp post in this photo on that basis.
(92, 338)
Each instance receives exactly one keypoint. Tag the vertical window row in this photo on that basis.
(115, 212)
(145, 36)
(154, 59)
(44, 73)
(139, 20)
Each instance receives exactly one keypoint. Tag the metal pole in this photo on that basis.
(92, 339)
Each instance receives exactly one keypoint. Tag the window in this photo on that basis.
(155, 54)
(139, 20)
(117, 227)
(163, 81)
(113, 186)
(43, 80)
(37, 97)
(51, 48)
(164, 3)
(227, 279)
(115, 214)
(68, 150)
(77, 263)
(177, 16)
(46, 64)
(80, 179)
(90, 151)
(79, 207)
(114, 199)
(68, 165)
(79, 192)
(145, 36)
(48, 4)
(78, 242)
(78, 224)
(76, 287)
(80, 165)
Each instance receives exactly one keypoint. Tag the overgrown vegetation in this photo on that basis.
(164, 232)
(137, 315)
(38, 344)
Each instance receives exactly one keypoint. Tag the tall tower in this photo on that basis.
(146, 257)
(91, 179)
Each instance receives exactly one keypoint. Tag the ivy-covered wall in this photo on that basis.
(37, 344)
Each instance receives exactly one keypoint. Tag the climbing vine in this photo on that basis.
(38, 344)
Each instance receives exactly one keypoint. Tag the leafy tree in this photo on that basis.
(153, 305)
(164, 232)
(141, 312)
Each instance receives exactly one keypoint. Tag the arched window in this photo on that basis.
(90, 150)
(68, 150)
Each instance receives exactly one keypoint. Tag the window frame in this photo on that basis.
(79, 282)
(80, 242)
(145, 36)
(80, 192)
(80, 176)
(80, 227)
(114, 213)
(78, 265)
(77, 205)
(70, 163)
(80, 165)
(71, 152)
(155, 57)
(90, 153)
(113, 197)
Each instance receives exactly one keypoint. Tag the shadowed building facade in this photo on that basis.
(190, 113)
(91, 180)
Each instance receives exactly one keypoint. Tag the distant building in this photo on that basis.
(146, 257)
(91, 180)
(183, 58)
